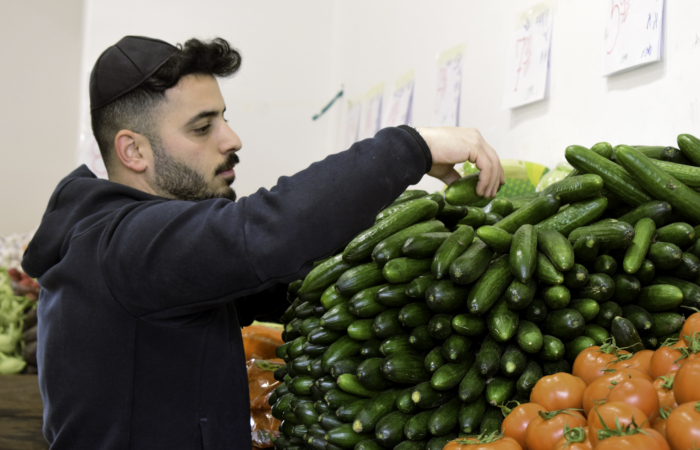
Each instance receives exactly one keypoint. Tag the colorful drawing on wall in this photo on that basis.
(633, 34)
(372, 112)
(528, 56)
(350, 132)
(448, 87)
(400, 109)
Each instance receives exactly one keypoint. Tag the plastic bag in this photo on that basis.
(559, 173)
(260, 340)
(261, 384)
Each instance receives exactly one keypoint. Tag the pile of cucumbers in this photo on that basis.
(449, 309)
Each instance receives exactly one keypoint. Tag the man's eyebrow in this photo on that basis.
(202, 115)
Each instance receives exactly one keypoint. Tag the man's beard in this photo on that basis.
(176, 180)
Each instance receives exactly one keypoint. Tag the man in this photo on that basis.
(139, 341)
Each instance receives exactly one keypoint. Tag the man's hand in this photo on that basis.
(450, 146)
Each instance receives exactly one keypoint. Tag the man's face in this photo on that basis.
(194, 151)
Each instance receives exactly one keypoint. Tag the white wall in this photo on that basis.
(378, 41)
(283, 81)
(40, 48)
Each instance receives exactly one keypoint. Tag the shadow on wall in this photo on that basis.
(637, 76)
(528, 112)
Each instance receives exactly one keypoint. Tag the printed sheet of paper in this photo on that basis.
(633, 32)
(528, 56)
(400, 109)
(372, 112)
(351, 132)
(448, 87)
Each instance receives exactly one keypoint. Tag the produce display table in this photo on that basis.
(20, 413)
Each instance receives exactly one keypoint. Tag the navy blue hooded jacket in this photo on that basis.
(139, 343)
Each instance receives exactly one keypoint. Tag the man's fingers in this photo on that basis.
(450, 177)
(484, 185)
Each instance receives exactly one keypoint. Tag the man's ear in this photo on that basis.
(133, 150)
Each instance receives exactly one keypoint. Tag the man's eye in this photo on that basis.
(202, 130)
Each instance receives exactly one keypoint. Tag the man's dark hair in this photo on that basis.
(133, 111)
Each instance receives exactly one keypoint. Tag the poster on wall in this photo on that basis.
(88, 151)
(351, 127)
(448, 87)
(528, 56)
(633, 33)
(400, 109)
(372, 112)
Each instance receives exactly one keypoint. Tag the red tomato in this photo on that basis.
(559, 391)
(516, 422)
(473, 443)
(637, 392)
(660, 422)
(607, 413)
(690, 327)
(640, 361)
(664, 390)
(590, 363)
(664, 360)
(649, 440)
(686, 383)
(683, 427)
(574, 439)
(543, 433)
(597, 392)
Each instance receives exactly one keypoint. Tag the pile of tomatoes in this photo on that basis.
(648, 400)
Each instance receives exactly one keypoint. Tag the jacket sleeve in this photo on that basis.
(166, 259)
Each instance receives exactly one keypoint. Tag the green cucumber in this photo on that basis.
(499, 390)
(689, 268)
(577, 215)
(425, 397)
(626, 335)
(281, 351)
(444, 419)
(337, 398)
(369, 374)
(610, 234)
(362, 245)
(546, 272)
(636, 252)
(534, 212)
(529, 336)
(499, 205)
(691, 291)
(391, 247)
(660, 184)
(575, 189)
(437, 198)
(450, 250)
(404, 368)
(687, 174)
(347, 412)
(420, 338)
(665, 323)
(434, 360)
(552, 367)
(552, 348)
(690, 146)
(292, 329)
(650, 341)
(600, 287)
(415, 314)
(665, 154)
(331, 297)
(387, 324)
(440, 326)
(306, 414)
(393, 295)
(492, 219)
(489, 358)
(656, 210)
(521, 200)
(486, 291)
(358, 278)
(389, 429)
(376, 408)
(536, 311)
(472, 264)
(577, 277)
(325, 274)
(361, 330)
(679, 233)
(326, 383)
(586, 248)
(556, 297)
(646, 272)
(347, 365)
(616, 179)
(587, 307)
(470, 415)
(319, 310)
(608, 311)
(416, 429)
(660, 297)
(469, 325)
(499, 240)
(296, 348)
(371, 349)
(451, 374)
(308, 325)
(491, 422)
(403, 270)
(576, 346)
(530, 376)
(523, 253)
(409, 194)
(301, 364)
(473, 216)
(597, 333)
(556, 248)
(456, 348)
(605, 264)
(417, 287)
(349, 383)
(513, 361)
(519, 295)
(412, 445)
(304, 310)
(444, 296)
(462, 192)
(340, 349)
(502, 322)
(424, 245)
(338, 318)
(345, 436)
(439, 442)
(640, 317)
(472, 385)
(329, 421)
(404, 403)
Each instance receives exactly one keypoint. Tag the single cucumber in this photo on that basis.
(597, 333)
(434, 360)
(296, 348)
(291, 330)
(329, 421)
(358, 278)
(587, 307)
(451, 374)
(691, 291)
(523, 253)
(444, 419)
(416, 429)
(636, 252)
(665, 323)
(420, 338)
(489, 358)
(391, 247)
(439, 442)
(450, 250)
(534, 212)
(463, 191)
(425, 397)
(393, 295)
(326, 383)
(415, 314)
(552, 367)
(347, 365)
(305, 310)
(375, 409)
(424, 245)
(616, 179)
(437, 198)
(552, 348)
(350, 383)
(337, 398)
(577, 277)
(331, 297)
(556, 248)
(608, 311)
(473, 216)
(546, 272)
(577, 215)
(586, 248)
(399, 343)
(340, 349)
(499, 390)
(519, 295)
(471, 264)
(502, 322)
(472, 385)
(656, 210)
(389, 429)
(371, 349)
(325, 274)
(600, 287)
(444, 296)
(404, 402)
(486, 291)
(650, 341)
(338, 318)
(309, 324)
(611, 234)
(576, 346)
(361, 330)
(403, 270)
(513, 361)
(499, 240)
(689, 268)
(626, 335)
(605, 264)
(345, 436)
(440, 326)
(687, 174)
(556, 297)
(491, 422)
(530, 376)
(660, 297)
(456, 348)
(521, 200)
(470, 415)
(646, 272)
(575, 189)
(409, 194)
(640, 317)
(536, 312)
(362, 245)
(679, 233)
(369, 374)
(417, 287)
(347, 412)
(690, 146)
(387, 324)
(404, 369)
(469, 325)
(529, 336)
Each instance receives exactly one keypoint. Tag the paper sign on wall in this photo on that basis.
(528, 56)
(632, 34)
(448, 87)
(400, 109)
(351, 131)
(372, 112)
